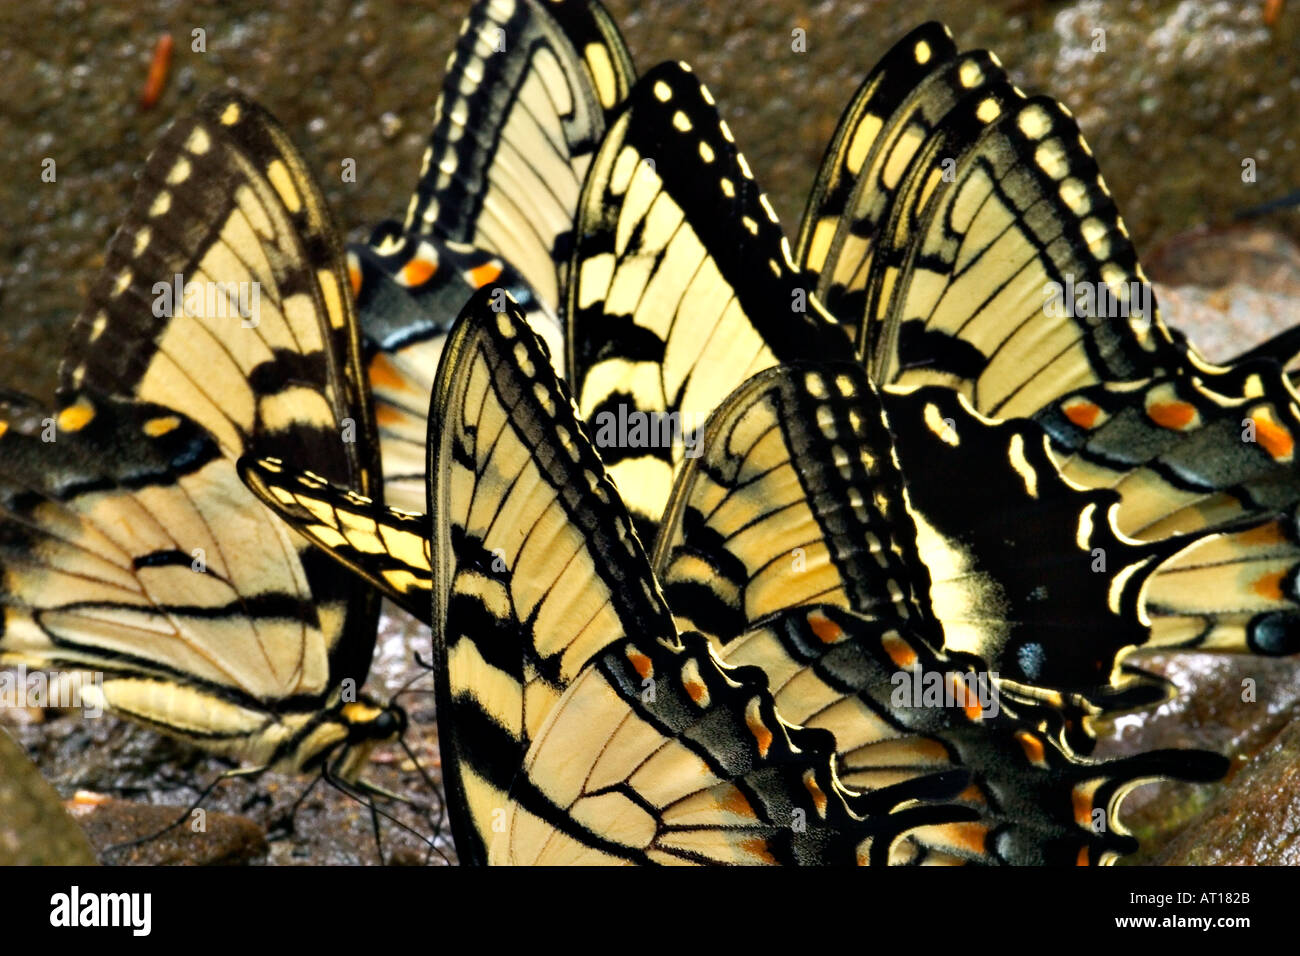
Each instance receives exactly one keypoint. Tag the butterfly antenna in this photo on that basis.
(406, 688)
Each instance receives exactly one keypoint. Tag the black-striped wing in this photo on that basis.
(1188, 454)
(983, 251)
(559, 664)
(130, 550)
(521, 113)
(953, 245)
(386, 546)
(523, 108)
(409, 291)
(682, 285)
(535, 570)
(660, 755)
(1025, 570)
(652, 753)
(798, 502)
(803, 497)
(221, 324)
(900, 710)
(888, 126)
(261, 346)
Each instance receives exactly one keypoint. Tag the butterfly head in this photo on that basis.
(348, 731)
(368, 721)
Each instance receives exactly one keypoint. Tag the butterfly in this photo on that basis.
(682, 285)
(948, 202)
(741, 326)
(649, 285)
(525, 103)
(541, 597)
(220, 324)
(966, 233)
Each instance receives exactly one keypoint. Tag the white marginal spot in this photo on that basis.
(180, 172)
(1016, 455)
(199, 142)
(1083, 535)
(1034, 122)
(1116, 593)
(937, 424)
(161, 203)
(279, 176)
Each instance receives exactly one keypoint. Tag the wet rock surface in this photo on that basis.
(1256, 820)
(35, 830)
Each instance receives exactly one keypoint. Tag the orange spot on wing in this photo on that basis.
(384, 375)
(159, 67)
(972, 794)
(757, 848)
(417, 272)
(898, 650)
(1083, 807)
(697, 691)
(1272, 12)
(386, 414)
(969, 702)
(1174, 415)
(354, 279)
(1270, 585)
(480, 276)
(734, 802)
(1082, 413)
(76, 416)
(1267, 533)
(967, 836)
(827, 631)
(762, 735)
(1083, 859)
(642, 664)
(1032, 746)
(1277, 441)
(815, 791)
